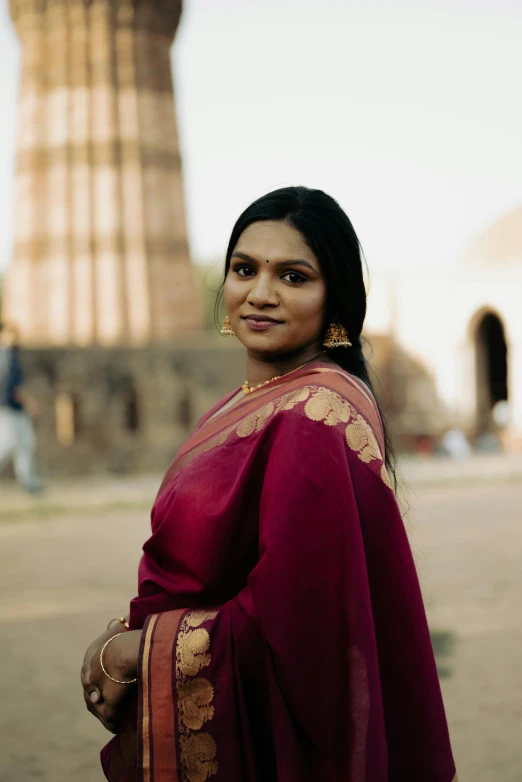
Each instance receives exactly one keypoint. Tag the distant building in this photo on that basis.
(101, 285)
(455, 341)
(100, 246)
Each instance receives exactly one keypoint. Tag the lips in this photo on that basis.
(260, 322)
(260, 318)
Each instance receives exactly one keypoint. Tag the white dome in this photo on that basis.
(501, 242)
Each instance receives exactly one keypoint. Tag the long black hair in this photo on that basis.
(328, 232)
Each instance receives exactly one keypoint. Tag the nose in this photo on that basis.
(262, 293)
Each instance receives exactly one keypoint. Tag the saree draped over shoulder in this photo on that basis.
(284, 633)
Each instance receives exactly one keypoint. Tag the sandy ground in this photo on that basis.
(67, 566)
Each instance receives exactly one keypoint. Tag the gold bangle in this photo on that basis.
(121, 620)
(118, 681)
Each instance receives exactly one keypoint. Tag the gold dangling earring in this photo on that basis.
(336, 337)
(226, 329)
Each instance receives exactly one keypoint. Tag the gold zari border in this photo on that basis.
(194, 695)
(145, 685)
(319, 404)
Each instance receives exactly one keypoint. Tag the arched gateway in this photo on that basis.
(491, 368)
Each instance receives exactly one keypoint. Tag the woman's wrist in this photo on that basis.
(121, 656)
(122, 621)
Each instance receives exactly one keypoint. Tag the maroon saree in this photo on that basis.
(284, 634)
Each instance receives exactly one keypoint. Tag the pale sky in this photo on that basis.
(406, 111)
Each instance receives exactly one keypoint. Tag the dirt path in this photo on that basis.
(60, 582)
(469, 545)
(61, 579)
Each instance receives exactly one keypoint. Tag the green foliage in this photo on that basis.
(209, 279)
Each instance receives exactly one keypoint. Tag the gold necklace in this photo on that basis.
(250, 390)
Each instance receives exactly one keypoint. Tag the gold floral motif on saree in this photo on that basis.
(328, 407)
(194, 702)
(198, 751)
(194, 697)
(360, 438)
(197, 616)
(324, 406)
(290, 400)
(319, 404)
(192, 647)
(255, 421)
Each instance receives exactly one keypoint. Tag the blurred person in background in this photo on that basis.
(279, 631)
(17, 407)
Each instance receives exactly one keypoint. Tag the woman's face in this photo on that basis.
(275, 292)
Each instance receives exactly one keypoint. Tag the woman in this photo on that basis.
(279, 631)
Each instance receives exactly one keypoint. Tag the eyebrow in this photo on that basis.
(278, 264)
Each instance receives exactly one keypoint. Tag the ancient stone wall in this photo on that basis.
(124, 410)
(128, 410)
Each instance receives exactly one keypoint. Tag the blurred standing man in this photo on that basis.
(17, 405)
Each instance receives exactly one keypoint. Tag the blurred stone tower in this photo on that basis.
(101, 253)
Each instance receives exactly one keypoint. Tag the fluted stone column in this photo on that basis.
(101, 252)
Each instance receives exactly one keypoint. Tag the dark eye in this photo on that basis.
(294, 277)
(244, 271)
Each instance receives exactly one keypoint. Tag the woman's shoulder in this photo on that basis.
(347, 385)
(332, 404)
(333, 396)
(330, 409)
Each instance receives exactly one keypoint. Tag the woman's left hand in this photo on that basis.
(104, 698)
